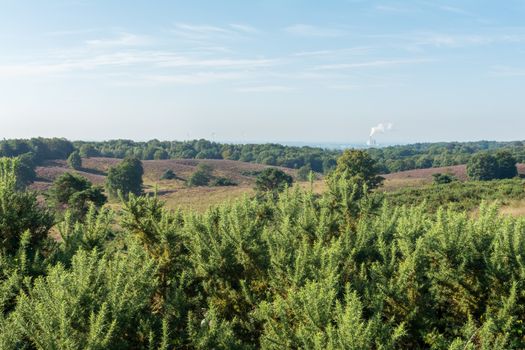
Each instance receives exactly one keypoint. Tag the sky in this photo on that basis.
(263, 70)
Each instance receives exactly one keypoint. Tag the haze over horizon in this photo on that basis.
(280, 71)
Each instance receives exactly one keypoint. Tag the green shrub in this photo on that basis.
(441, 179)
(460, 195)
(223, 181)
(201, 177)
(168, 175)
(339, 270)
(20, 212)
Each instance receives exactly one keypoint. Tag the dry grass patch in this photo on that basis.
(514, 208)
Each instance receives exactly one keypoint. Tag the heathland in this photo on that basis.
(200, 245)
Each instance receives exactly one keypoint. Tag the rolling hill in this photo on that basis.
(173, 192)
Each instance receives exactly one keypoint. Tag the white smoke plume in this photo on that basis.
(381, 128)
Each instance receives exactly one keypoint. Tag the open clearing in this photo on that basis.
(177, 195)
(174, 192)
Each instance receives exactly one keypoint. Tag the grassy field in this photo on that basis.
(174, 192)
(177, 195)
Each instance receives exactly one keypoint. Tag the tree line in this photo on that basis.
(441, 154)
(389, 159)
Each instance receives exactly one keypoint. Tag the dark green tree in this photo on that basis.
(482, 166)
(74, 161)
(75, 192)
(88, 151)
(25, 170)
(440, 178)
(506, 165)
(125, 178)
(272, 180)
(357, 165)
(160, 154)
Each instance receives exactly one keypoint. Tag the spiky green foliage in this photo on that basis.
(19, 212)
(98, 303)
(340, 270)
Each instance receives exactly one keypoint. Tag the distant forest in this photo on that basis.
(389, 159)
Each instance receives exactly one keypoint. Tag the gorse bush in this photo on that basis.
(21, 217)
(341, 270)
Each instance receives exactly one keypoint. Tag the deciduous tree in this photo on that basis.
(74, 161)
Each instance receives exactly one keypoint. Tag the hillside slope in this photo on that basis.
(174, 192)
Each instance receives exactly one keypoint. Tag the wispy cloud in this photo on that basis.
(197, 78)
(394, 9)
(73, 32)
(371, 64)
(266, 88)
(507, 71)
(463, 40)
(307, 30)
(180, 61)
(243, 28)
(454, 9)
(418, 40)
(206, 32)
(358, 50)
(121, 40)
(152, 60)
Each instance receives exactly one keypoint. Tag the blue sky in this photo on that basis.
(275, 70)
